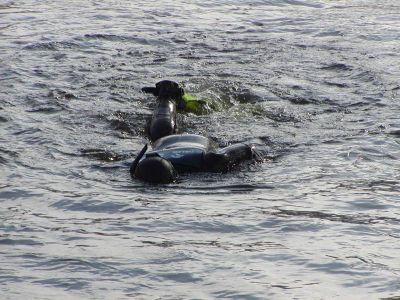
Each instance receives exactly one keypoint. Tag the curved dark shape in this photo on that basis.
(163, 120)
(165, 89)
(137, 159)
(169, 96)
(155, 169)
(188, 153)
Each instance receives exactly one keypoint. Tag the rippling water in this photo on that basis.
(315, 82)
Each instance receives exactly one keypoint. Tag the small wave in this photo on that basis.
(312, 4)
(6, 156)
(337, 84)
(295, 99)
(64, 283)
(395, 133)
(181, 277)
(122, 38)
(52, 46)
(121, 125)
(366, 76)
(353, 219)
(231, 246)
(103, 155)
(358, 104)
(94, 206)
(15, 194)
(47, 109)
(71, 265)
(61, 94)
(367, 154)
(30, 130)
(248, 96)
(128, 123)
(281, 116)
(107, 37)
(337, 67)
(10, 4)
(19, 242)
(329, 33)
(232, 187)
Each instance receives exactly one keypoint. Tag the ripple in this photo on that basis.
(47, 109)
(182, 277)
(395, 133)
(337, 67)
(103, 154)
(19, 242)
(354, 219)
(65, 283)
(15, 194)
(6, 156)
(123, 38)
(52, 46)
(95, 206)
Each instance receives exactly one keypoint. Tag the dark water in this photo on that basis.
(315, 82)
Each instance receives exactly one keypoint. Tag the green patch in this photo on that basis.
(193, 105)
(187, 97)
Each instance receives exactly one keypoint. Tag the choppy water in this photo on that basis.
(316, 82)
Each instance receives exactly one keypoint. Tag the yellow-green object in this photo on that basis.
(201, 106)
(187, 97)
(193, 105)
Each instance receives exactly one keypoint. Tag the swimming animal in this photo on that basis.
(163, 121)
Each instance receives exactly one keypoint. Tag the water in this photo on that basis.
(315, 82)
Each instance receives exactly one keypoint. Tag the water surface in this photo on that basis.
(316, 83)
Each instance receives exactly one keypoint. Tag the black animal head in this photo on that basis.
(166, 89)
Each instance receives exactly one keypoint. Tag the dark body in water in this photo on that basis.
(180, 153)
(163, 120)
